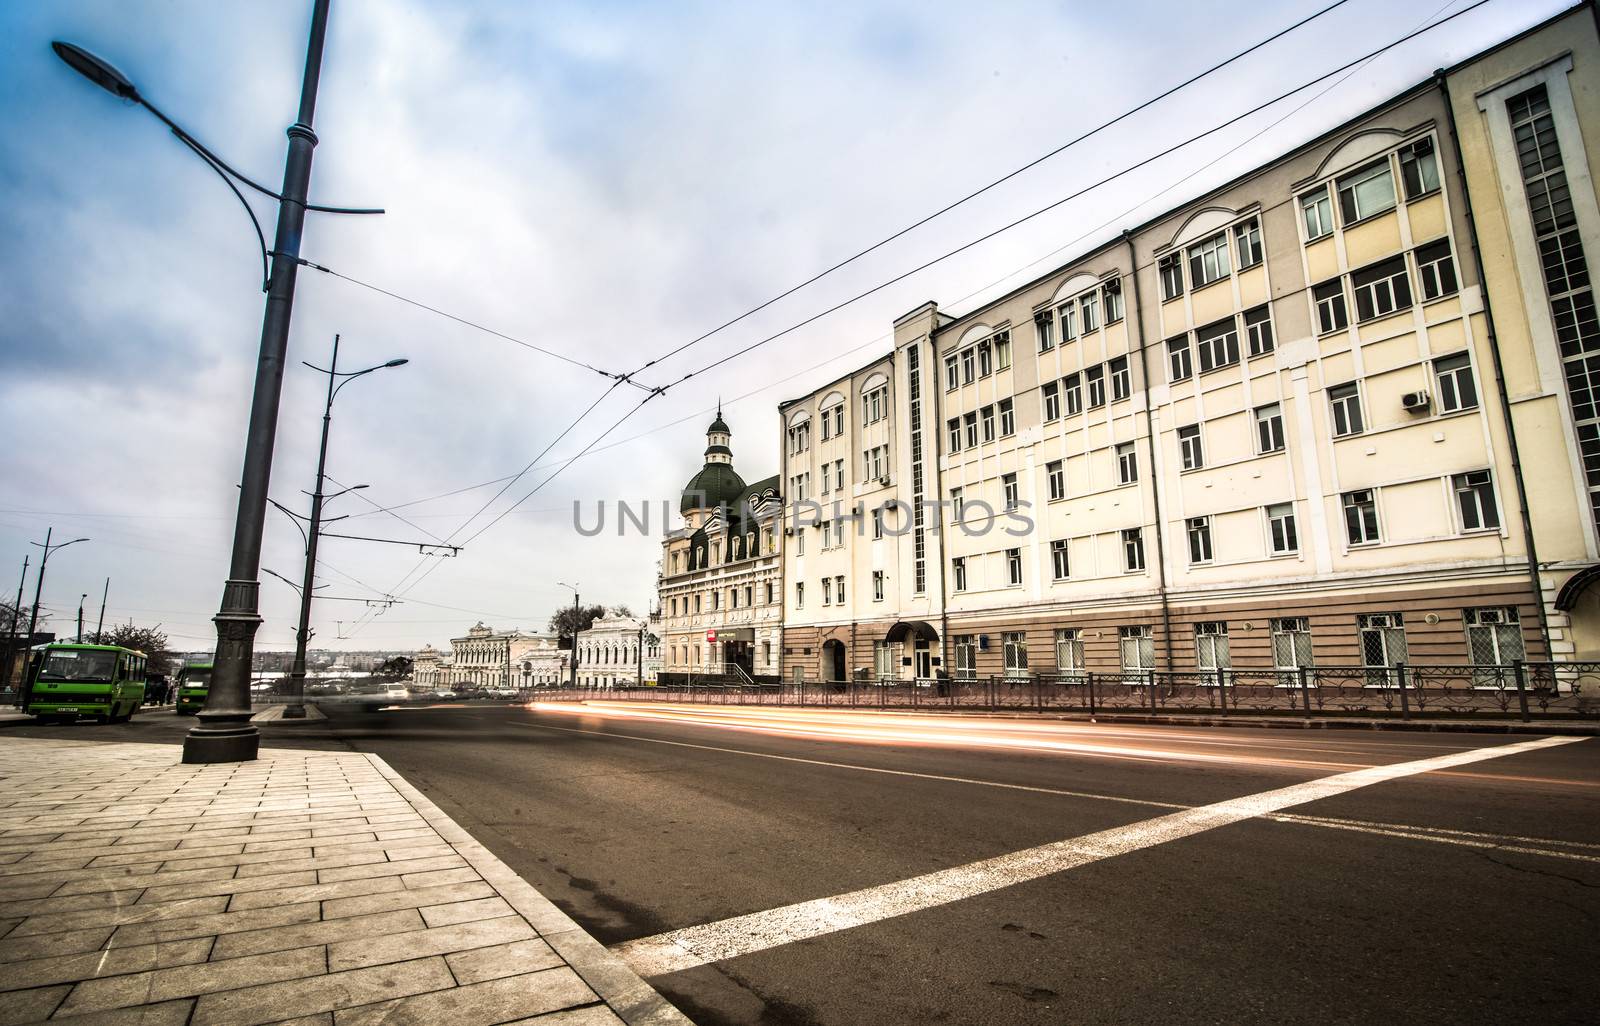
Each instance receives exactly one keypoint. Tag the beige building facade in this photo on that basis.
(618, 651)
(1265, 429)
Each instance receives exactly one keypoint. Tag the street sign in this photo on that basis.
(711, 637)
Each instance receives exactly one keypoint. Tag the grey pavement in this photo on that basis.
(312, 887)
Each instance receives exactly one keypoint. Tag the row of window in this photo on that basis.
(1211, 259)
(874, 407)
(1369, 191)
(1217, 345)
(1385, 287)
(982, 424)
(680, 606)
(1086, 389)
(1076, 317)
(833, 592)
(978, 360)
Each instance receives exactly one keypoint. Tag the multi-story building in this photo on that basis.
(721, 593)
(539, 660)
(487, 658)
(425, 667)
(1267, 428)
(616, 650)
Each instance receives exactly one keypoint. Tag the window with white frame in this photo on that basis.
(1381, 289)
(1360, 516)
(1218, 345)
(1067, 317)
(952, 373)
(958, 573)
(1014, 566)
(1208, 260)
(1282, 534)
(1056, 474)
(875, 462)
(1114, 309)
(1344, 401)
(1211, 645)
(958, 506)
(954, 425)
(838, 532)
(1383, 643)
(1367, 192)
(1316, 213)
(1050, 392)
(1190, 451)
(1044, 329)
(1436, 270)
(1419, 168)
(1332, 314)
(877, 585)
(883, 667)
(1121, 382)
(800, 438)
(1008, 418)
(877, 523)
(1002, 351)
(970, 423)
(1269, 428)
(1247, 242)
(1199, 533)
(1138, 647)
(1072, 393)
(1127, 463)
(966, 646)
(969, 366)
(838, 473)
(800, 543)
(799, 594)
(1453, 381)
(1291, 643)
(986, 418)
(1060, 569)
(1171, 270)
(838, 582)
(1258, 329)
(1133, 549)
(1069, 650)
(1015, 647)
(1475, 501)
(1089, 309)
(1179, 360)
(1095, 377)
(827, 591)
(1494, 636)
(1008, 489)
(875, 405)
(985, 358)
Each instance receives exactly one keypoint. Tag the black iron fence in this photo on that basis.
(1520, 690)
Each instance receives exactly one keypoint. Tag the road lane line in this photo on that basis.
(759, 931)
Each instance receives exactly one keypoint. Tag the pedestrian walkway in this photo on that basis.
(312, 887)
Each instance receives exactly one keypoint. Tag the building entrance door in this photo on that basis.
(738, 657)
(923, 659)
(833, 660)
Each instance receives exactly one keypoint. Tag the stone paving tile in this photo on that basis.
(388, 868)
(118, 878)
(492, 963)
(43, 945)
(276, 1001)
(466, 911)
(493, 1002)
(403, 898)
(229, 885)
(313, 892)
(219, 925)
(367, 951)
(593, 1015)
(418, 881)
(71, 968)
(20, 1006)
(297, 860)
(254, 942)
(33, 907)
(167, 1013)
(191, 980)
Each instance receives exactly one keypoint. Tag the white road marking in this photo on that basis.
(759, 931)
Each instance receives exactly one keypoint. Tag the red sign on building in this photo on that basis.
(711, 637)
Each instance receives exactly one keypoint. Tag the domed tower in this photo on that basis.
(717, 484)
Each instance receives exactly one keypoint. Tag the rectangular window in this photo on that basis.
(1436, 270)
(1051, 393)
(1002, 351)
(1494, 638)
(952, 376)
(985, 358)
(986, 415)
(1016, 652)
(1316, 212)
(1072, 393)
(827, 591)
(1014, 566)
(1383, 643)
(1138, 648)
(1121, 382)
(1247, 242)
(1127, 463)
(1189, 449)
(1281, 531)
(1069, 650)
(1059, 567)
(1056, 473)
(1008, 488)
(1044, 329)
(1360, 516)
(1452, 376)
(827, 422)
(1345, 403)
(1475, 499)
(877, 523)
(799, 596)
(966, 656)
(877, 585)
(957, 505)
(1179, 358)
(955, 434)
(1332, 314)
(1199, 531)
(1208, 260)
(883, 660)
(1381, 289)
(1291, 643)
(1258, 328)
(838, 583)
(1269, 428)
(1218, 344)
(1067, 314)
(1171, 267)
(1211, 646)
(1419, 168)
(1113, 291)
(800, 543)
(1008, 418)
(1096, 379)
(970, 422)
(1367, 192)
(1089, 307)
(969, 367)
(1133, 549)
(958, 573)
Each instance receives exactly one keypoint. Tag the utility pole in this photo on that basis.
(99, 630)
(38, 587)
(11, 636)
(81, 600)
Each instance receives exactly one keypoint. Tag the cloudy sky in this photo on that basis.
(607, 180)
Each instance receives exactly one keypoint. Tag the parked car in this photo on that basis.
(445, 695)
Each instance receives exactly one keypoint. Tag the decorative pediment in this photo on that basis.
(831, 400)
(974, 333)
(799, 417)
(877, 380)
(1357, 148)
(1076, 283)
(1203, 222)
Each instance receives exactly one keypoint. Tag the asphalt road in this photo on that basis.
(1463, 894)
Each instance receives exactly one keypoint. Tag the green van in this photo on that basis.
(193, 684)
(72, 680)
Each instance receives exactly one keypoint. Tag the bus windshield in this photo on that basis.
(195, 676)
(72, 664)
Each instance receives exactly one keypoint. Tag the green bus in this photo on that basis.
(70, 680)
(192, 686)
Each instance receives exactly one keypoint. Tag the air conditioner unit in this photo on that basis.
(1414, 400)
(884, 480)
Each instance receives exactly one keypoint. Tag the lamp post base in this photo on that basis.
(239, 743)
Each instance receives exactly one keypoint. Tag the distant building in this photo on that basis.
(614, 651)
(487, 658)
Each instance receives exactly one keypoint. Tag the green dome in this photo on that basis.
(718, 425)
(716, 485)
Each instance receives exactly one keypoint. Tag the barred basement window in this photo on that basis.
(1258, 326)
(1419, 168)
(1171, 270)
(1015, 644)
(1453, 381)
(1056, 473)
(1072, 393)
(1247, 240)
(1494, 636)
(1436, 270)
(1291, 643)
(1069, 649)
(1383, 643)
(1179, 359)
(1218, 344)
(1345, 403)
(1269, 428)
(966, 657)
(1381, 289)
(1475, 499)
(1211, 646)
(1281, 529)
(1138, 648)
(1360, 516)
(1332, 314)
(1121, 383)
(1189, 449)
(1199, 530)
(1059, 567)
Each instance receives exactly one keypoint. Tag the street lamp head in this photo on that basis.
(397, 363)
(100, 72)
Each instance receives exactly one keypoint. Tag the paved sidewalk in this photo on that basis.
(312, 887)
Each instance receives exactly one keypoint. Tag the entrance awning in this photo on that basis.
(912, 628)
(1576, 585)
(735, 633)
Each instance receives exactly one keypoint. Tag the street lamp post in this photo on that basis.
(81, 600)
(11, 635)
(38, 591)
(575, 616)
(296, 707)
(224, 732)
